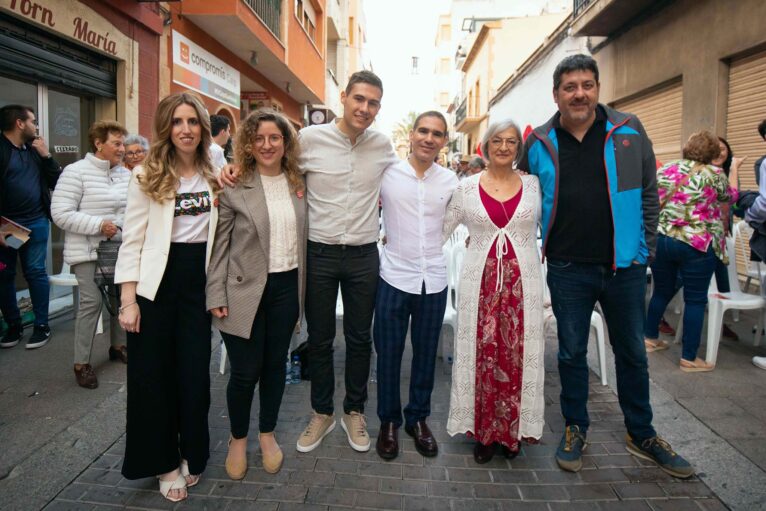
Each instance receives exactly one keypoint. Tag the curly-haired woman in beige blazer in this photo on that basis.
(256, 276)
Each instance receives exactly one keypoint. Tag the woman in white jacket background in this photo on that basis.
(89, 206)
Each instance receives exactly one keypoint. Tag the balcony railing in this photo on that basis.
(460, 113)
(270, 12)
(580, 6)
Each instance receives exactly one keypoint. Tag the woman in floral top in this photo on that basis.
(690, 240)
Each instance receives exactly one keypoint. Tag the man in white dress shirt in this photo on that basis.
(413, 284)
(343, 162)
(220, 128)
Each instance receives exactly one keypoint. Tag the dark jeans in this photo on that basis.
(393, 310)
(262, 356)
(696, 269)
(355, 268)
(32, 255)
(575, 289)
(169, 372)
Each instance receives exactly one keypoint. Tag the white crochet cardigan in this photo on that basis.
(466, 208)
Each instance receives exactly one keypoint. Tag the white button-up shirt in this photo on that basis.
(413, 216)
(343, 183)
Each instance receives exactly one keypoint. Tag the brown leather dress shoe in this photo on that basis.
(425, 442)
(483, 453)
(120, 352)
(388, 441)
(86, 377)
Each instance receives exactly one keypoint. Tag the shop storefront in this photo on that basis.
(74, 63)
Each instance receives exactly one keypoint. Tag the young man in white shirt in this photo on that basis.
(343, 162)
(413, 284)
(220, 128)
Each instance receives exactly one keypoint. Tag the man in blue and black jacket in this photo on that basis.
(599, 212)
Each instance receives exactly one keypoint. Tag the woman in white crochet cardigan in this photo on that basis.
(497, 376)
(88, 204)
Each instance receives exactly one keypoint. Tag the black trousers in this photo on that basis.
(262, 356)
(169, 372)
(355, 268)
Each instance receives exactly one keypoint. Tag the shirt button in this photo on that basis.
(239, 279)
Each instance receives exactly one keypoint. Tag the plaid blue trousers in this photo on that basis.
(393, 311)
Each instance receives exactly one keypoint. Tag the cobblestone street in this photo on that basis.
(334, 476)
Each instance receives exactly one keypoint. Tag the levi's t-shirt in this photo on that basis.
(192, 211)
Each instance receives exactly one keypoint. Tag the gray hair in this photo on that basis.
(477, 162)
(137, 139)
(499, 127)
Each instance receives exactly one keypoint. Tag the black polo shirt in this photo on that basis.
(582, 229)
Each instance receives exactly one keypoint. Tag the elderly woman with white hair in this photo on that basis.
(499, 344)
(136, 149)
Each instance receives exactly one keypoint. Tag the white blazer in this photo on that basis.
(146, 239)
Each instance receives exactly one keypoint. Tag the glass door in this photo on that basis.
(67, 122)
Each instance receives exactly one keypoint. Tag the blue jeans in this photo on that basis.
(696, 269)
(32, 255)
(575, 289)
(394, 309)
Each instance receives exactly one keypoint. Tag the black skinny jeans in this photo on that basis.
(355, 268)
(262, 357)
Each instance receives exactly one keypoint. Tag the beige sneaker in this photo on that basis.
(355, 426)
(319, 427)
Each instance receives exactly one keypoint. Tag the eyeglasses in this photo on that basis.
(132, 154)
(497, 143)
(273, 139)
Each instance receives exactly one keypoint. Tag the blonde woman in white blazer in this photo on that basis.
(167, 239)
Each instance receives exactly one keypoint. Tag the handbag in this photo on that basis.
(106, 259)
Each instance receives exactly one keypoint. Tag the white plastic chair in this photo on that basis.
(719, 303)
(596, 322)
(450, 312)
(66, 279)
(755, 270)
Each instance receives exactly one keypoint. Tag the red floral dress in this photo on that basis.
(499, 337)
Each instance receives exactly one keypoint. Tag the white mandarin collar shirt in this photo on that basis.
(343, 183)
(413, 216)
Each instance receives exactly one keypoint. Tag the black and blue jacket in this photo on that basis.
(630, 174)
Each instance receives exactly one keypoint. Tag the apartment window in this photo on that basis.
(306, 15)
(445, 32)
(351, 31)
(444, 99)
(477, 97)
(444, 64)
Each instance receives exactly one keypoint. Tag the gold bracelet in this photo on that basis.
(119, 310)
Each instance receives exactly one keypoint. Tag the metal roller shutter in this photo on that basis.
(32, 54)
(660, 113)
(746, 109)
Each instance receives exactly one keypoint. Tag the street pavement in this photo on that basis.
(62, 449)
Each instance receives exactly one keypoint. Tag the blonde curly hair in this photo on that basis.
(160, 179)
(245, 141)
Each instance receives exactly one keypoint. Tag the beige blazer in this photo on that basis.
(239, 264)
(146, 239)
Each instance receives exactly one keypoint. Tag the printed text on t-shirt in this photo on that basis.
(192, 204)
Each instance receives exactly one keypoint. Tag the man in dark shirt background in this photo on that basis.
(28, 173)
(600, 212)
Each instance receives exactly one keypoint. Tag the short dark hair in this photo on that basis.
(9, 114)
(579, 62)
(762, 128)
(431, 113)
(218, 123)
(364, 76)
(100, 130)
